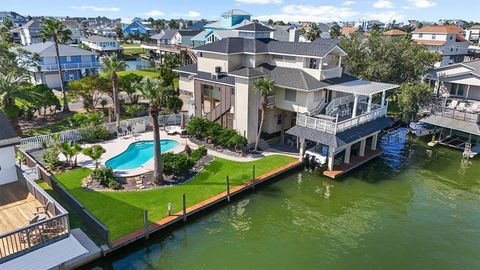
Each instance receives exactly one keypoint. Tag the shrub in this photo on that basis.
(204, 129)
(176, 163)
(86, 119)
(134, 110)
(50, 158)
(105, 177)
(93, 134)
(198, 153)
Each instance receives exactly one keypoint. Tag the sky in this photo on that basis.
(286, 10)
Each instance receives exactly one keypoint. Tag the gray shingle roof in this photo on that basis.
(47, 49)
(239, 44)
(248, 72)
(342, 138)
(192, 69)
(225, 79)
(255, 27)
(6, 131)
(32, 23)
(447, 122)
(291, 77)
(100, 39)
(165, 34)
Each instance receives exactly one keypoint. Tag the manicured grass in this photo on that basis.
(75, 219)
(122, 212)
(129, 45)
(133, 51)
(143, 73)
(55, 127)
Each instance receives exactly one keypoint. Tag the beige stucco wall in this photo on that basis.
(271, 125)
(186, 84)
(303, 102)
(246, 109)
(209, 61)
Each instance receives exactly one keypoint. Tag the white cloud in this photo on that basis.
(348, 3)
(259, 2)
(154, 13)
(96, 8)
(310, 13)
(422, 3)
(385, 16)
(383, 4)
(192, 14)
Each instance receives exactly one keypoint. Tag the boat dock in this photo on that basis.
(354, 163)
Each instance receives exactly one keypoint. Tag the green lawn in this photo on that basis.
(143, 73)
(129, 45)
(133, 51)
(51, 128)
(75, 219)
(122, 212)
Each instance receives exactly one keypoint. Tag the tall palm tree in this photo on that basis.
(153, 91)
(112, 65)
(312, 32)
(13, 88)
(264, 86)
(55, 30)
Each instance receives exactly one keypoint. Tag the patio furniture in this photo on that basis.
(42, 209)
(172, 130)
(120, 132)
(453, 104)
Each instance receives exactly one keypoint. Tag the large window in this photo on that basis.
(313, 63)
(211, 98)
(290, 95)
(457, 89)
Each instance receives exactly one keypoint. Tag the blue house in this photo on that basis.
(75, 62)
(137, 26)
(229, 20)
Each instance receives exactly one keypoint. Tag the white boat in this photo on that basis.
(421, 129)
(320, 154)
(471, 152)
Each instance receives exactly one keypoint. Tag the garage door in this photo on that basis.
(53, 80)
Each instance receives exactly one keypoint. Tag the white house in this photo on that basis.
(8, 139)
(473, 33)
(30, 33)
(102, 45)
(448, 40)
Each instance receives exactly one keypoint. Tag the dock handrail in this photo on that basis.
(456, 114)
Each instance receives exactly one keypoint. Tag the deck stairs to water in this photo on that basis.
(192, 55)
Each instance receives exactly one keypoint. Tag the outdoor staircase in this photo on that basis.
(192, 55)
(317, 107)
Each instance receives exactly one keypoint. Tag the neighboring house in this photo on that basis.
(394, 33)
(75, 62)
(137, 26)
(448, 40)
(313, 103)
(30, 33)
(473, 33)
(348, 30)
(175, 37)
(16, 19)
(457, 22)
(285, 33)
(8, 140)
(198, 25)
(366, 26)
(16, 34)
(102, 45)
(457, 118)
(74, 27)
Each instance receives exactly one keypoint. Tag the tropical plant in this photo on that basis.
(171, 61)
(54, 30)
(112, 65)
(335, 32)
(168, 76)
(7, 23)
(44, 99)
(176, 163)
(134, 110)
(198, 153)
(94, 152)
(86, 119)
(312, 32)
(12, 90)
(174, 103)
(127, 83)
(50, 158)
(88, 89)
(263, 86)
(153, 91)
(105, 177)
(20, 157)
(17, 61)
(70, 150)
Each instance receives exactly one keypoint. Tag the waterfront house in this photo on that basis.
(137, 26)
(75, 62)
(448, 40)
(30, 33)
(74, 27)
(16, 19)
(473, 33)
(314, 106)
(175, 37)
(457, 116)
(102, 45)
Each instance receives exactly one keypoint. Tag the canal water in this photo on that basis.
(413, 208)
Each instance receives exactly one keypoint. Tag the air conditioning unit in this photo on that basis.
(190, 77)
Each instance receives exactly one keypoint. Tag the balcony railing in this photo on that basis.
(331, 73)
(332, 125)
(463, 115)
(69, 66)
(34, 236)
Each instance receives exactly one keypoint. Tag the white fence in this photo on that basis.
(36, 142)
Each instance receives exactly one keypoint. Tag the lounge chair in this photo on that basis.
(172, 130)
(120, 132)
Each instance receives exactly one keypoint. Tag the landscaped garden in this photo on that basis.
(122, 212)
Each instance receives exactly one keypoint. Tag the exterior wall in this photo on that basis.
(8, 171)
(209, 61)
(246, 109)
(103, 46)
(304, 100)
(298, 63)
(186, 84)
(474, 92)
(271, 123)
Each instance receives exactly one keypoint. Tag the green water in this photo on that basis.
(412, 208)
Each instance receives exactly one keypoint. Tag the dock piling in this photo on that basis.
(228, 188)
(184, 198)
(253, 177)
(145, 222)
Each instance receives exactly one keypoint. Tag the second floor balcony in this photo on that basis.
(70, 66)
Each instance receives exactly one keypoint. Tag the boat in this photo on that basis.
(421, 129)
(315, 157)
(471, 152)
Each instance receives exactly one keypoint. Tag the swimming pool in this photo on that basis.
(137, 154)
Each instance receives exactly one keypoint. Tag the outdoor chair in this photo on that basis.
(172, 130)
(120, 132)
(42, 209)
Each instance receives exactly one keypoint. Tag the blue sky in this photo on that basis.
(288, 10)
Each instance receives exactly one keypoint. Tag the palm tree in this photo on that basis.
(264, 86)
(312, 32)
(13, 88)
(55, 30)
(94, 152)
(70, 150)
(112, 65)
(153, 91)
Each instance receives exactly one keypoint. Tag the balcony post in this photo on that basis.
(331, 152)
(362, 147)
(383, 99)
(369, 106)
(355, 106)
(374, 141)
(346, 158)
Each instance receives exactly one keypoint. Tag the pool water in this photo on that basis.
(137, 154)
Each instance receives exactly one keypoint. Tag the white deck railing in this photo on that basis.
(68, 66)
(331, 125)
(342, 100)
